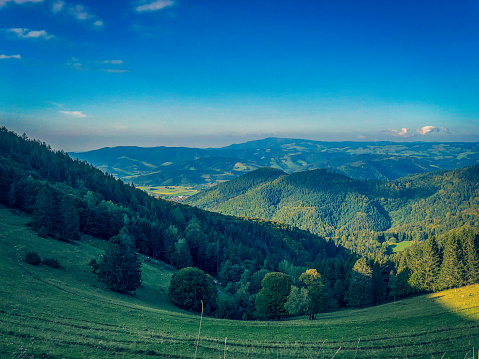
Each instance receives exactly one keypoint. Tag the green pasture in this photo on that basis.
(66, 313)
(169, 191)
(399, 247)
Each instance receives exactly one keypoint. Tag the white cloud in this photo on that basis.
(361, 137)
(58, 6)
(113, 62)
(77, 64)
(77, 11)
(154, 5)
(4, 2)
(32, 34)
(74, 114)
(115, 71)
(427, 129)
(403, 132)
(444, 129)
(3, 57)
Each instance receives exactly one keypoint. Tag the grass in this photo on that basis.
(169, 191)
(399, 247)
(66, 313)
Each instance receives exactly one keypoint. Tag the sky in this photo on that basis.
(86, 74)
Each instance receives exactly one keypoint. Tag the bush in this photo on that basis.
(33, 258)
(189, 286)
(51, 262)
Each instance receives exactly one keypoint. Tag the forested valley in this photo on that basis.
(69, 199)
(367, 217)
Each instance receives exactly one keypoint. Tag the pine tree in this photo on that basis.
(360, 292)
(120, 267)
(471, 251)
(452, 267)
(430, 265)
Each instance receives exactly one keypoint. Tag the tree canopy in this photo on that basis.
(190, 286)
(120, 267)
(271, 299)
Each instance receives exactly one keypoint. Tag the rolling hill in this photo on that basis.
(65, 313)
(333, 205)
(179, 166)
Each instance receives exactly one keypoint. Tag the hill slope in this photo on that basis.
(361, 160)
(331, 204)
(59, 313)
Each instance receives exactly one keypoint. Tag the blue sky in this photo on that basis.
(86, 74)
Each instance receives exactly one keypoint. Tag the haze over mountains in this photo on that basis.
(181, 166)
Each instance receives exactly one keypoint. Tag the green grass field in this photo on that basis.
(399, 247)
(169, 191)
(66, 313)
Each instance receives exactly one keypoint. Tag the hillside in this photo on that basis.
(331, 204)
(179, 166)
(65, 313)
(69, 199)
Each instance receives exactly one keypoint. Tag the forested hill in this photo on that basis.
(361, 160)
(70, 198)
(365, 216)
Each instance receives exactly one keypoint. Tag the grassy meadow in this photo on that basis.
(67, 313)
(169, 191)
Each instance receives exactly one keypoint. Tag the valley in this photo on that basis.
(71, 214)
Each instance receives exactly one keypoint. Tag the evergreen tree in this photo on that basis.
(430, 264)
(360, 292)
(181, 257)
(471, 252)
(120, 267)
(452, 267)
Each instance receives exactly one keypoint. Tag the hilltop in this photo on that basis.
(196, 167)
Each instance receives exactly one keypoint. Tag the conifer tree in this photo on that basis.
(471, 251)
(430, 265)
(360, 289)
(120, 267)
(452, 267)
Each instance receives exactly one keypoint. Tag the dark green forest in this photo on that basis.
(69, 199)
(366, 217)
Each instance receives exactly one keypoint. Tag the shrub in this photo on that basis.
(189, 286)
(33, 258)
(51, 262)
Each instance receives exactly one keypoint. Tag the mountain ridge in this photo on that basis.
(349, 210)
(161, 165)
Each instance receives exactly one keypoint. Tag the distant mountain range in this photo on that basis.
(180, 166)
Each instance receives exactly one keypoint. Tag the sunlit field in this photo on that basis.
(67, 313)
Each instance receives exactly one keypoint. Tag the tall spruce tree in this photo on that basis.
(120, 267)
(452, 267)
(471, 253)
(430, 264)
